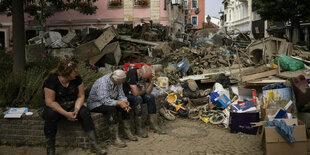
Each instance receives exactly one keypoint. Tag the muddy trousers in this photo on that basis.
(137, 101)
(52, 117)
(111, 112)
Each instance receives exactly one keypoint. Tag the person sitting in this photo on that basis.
(137, 96)
(107, 97)
(64, 98)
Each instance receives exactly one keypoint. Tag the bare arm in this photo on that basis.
(50, 101)
(81, 97)
(135, 91)
(149, 86)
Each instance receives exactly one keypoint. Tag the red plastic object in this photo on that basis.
(128, 66)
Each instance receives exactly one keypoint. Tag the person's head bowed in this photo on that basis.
(66, 69)
(146, 72)
(118, 77)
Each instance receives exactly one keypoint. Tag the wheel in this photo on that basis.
(182, 112)
(217, 118)
(193, 114)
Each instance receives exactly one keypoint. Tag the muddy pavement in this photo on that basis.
(184, 136)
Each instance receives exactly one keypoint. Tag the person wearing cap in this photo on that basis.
(137, 95)
(107, 97)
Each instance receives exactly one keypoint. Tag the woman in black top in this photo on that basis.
(64, 97)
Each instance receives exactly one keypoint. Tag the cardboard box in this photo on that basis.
(275, 144)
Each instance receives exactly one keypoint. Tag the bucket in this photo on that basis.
(163, 82)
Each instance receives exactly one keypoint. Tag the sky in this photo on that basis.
(213, 7)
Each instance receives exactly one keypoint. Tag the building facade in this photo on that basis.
(113, 12)
(194, 13)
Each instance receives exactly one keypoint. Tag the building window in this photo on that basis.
(185, 3)
(27, 2)
(195, 20)
(141, 3)
(115, 3)
(194, 4)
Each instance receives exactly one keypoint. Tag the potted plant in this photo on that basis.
(116, 3)
(143, 2)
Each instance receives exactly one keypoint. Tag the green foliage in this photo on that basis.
(283, 10)
(26, 89)
(88, 75)
(6, 64)
(49, 7)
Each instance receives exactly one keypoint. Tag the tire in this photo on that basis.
(182, 112)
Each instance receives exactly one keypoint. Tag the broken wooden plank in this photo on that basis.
(139, 41)
(259, 75)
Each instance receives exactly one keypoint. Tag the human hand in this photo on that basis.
(153, 76)
(124, 105)
(76, 111)
(71, 116)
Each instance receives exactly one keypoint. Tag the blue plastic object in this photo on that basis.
(183, 65)
(213, 96)
(222, 101)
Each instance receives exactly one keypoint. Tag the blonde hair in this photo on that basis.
(64, 68)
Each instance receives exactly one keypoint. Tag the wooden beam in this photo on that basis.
(259, 75)
(139, 41)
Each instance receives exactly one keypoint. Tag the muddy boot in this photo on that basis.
(115, 137)
(128, 131)
(154, 124)
(140, 131)
(50, 145)
(93, 142)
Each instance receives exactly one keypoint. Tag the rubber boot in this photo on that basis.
(93, 142)
(50, 145)
(127, 131)
(154, 124)
(140, 131)
(115, 137)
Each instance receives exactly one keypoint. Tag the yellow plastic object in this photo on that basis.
(172, 98)
(204, 119)
(179, 106)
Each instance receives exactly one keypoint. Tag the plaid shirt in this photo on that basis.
(105, 92)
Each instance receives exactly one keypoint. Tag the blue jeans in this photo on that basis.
(137, 101)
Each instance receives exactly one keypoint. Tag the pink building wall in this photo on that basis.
(70, 20)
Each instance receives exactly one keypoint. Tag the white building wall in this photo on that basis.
(239, 16)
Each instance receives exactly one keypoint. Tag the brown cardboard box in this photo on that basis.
(275, 144)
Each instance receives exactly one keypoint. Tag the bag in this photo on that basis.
(289, 64)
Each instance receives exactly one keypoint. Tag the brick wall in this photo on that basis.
(29, 131)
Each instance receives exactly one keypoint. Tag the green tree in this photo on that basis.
(41, 8)
(284, 10)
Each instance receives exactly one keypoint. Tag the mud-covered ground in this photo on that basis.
(184, 136)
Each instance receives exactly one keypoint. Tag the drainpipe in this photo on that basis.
(169, 16)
